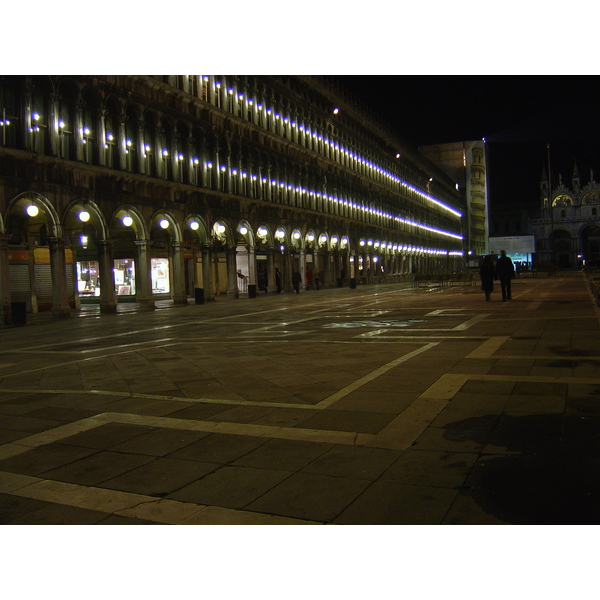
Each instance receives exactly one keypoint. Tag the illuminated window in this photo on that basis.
(124, 274)
(160, 275)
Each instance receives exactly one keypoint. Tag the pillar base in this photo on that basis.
(61, 312)
(108, 308)
(146, 304)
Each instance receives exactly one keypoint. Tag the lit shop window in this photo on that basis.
(160, 275)
(124, 271)
(88, 278)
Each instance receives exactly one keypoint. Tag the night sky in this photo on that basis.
(518, 115)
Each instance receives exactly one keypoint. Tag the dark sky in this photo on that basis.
(518, 115)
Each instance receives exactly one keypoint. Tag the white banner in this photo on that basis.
(524, 244)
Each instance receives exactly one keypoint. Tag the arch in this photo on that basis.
(591, 197)
(297, 240)
(322, 240)
(196, 229)
(73, 219)
(282, 236)
(264, 236)
(172, 226)
(590, 244)
(310, 239)
(245, 230)
(46, 215)
(562, 200)
(221, 231)
(137, 221)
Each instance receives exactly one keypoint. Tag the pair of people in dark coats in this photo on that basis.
(504, 270)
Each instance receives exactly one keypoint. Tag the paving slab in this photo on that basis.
(310, 496)
(159, 477)
(264, 412)
(38, 460)
(96, 468)
(282, 454)
(231, 486)
(388, 502)
(106, 436)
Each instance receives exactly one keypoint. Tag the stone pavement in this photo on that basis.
(379, 405)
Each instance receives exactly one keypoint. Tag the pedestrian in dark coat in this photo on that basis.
(296, 280)
(505, 272)
(487, 274)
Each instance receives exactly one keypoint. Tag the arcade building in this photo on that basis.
(145, 188)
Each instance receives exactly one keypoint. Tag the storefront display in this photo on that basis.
(160, 275)
(124, 273)
(88, 278)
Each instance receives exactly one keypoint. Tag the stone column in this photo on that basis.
(179, 296)
(122, 143)
(101, 139)
(5, 307)
(272, 283)
(32, 283)
(326, 271)
(209, 292)
(232, 288)
(143, 160)
(60, 304)
(53, 127)
(73, 268)
(252, 272)
(302, 268)
(108, 297)
(26, 134)
(143, 281)
(353, 268)
(288, 270)
(78, 132)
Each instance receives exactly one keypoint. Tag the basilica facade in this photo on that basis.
(144, 188)
(568, 231)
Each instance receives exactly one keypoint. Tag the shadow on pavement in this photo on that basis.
(536, 469)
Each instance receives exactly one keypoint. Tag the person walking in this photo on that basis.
(317, 278)
(296, 280)
(487, 274)
(505, 272)
(308, 278)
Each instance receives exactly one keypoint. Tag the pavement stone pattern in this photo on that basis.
(379, 405)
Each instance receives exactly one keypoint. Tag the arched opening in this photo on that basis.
(37, 256)
(194, 248)
(128, 236)
(590, 245)
(84, 231)
(562, 245)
